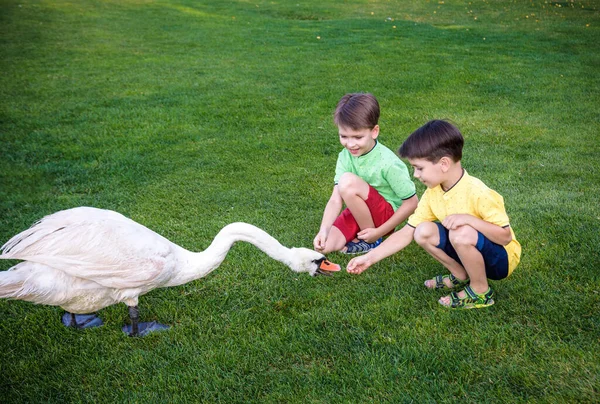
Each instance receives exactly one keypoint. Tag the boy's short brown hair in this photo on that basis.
(357, 111)
(432, 141)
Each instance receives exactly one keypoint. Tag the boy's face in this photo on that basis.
(358, 142)
(430, 174)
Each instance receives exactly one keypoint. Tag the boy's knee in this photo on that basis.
(348, 183)
(425, 233)
(463, 236)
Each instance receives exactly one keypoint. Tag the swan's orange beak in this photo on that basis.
(326, 267)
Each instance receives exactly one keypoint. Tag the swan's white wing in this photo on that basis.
(98, 245)
(51, 223)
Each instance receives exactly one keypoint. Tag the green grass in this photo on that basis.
(186, 116)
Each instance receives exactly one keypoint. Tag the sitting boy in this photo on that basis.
(370, 180)
(459, 221)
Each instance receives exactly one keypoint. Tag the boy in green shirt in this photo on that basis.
(459, 221)
(370, 180)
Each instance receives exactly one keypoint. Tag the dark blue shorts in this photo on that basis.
(494, 255)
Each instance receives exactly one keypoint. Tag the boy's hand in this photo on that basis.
(358, 264)
(320, 240)
(453, 222)
(369, 235)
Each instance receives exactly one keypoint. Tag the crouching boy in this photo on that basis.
(459, 221)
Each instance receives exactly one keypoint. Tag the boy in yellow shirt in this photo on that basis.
(459, 221)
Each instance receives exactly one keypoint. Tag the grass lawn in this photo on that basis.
(188, 115)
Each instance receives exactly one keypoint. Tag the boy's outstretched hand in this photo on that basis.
(358, 264)
(320, 241)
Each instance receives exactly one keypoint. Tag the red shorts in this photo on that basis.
(380, 209)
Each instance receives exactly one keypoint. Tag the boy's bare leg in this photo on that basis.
(355, 191)
(464, 240)
(427, 235)
(335, 241)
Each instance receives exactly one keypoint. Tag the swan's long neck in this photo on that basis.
(202, 263)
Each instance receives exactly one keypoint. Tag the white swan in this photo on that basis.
(84, 259)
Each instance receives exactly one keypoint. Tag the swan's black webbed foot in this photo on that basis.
(137, 329)
(144, 328)
(81, 321)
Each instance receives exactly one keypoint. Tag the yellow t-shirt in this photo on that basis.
(468, 196)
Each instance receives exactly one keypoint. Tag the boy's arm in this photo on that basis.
(394, 243)
(493, 232)
(402, 213)
(332, 209)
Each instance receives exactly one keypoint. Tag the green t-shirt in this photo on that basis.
(382, 169)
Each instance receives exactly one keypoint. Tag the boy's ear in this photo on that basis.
(375, 132)
(445, 162)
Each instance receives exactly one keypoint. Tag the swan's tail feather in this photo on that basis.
(10, 285)
(29, 282)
